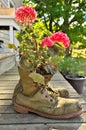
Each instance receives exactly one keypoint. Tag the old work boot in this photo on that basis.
(47, 105)
(34, 97)
(61, 92)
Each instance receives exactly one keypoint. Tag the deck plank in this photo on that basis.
(35, 119)
(5, 102)
(6, 91)
(8, 83)
(6, 96)
(59, 126)
(13, 77)
(44, 127)
(32, 121)
(24, 127)
(6, 87)
(65, 126)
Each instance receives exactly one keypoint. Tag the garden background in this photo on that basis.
(68, 16)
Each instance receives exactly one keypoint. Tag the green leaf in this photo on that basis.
(37, 78)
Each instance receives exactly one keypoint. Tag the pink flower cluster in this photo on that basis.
(58, 37)
(25, 15)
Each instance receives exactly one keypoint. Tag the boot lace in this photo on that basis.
(49, 93)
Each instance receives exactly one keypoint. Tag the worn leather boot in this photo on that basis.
(61, 92)
(35, 97)
(47, 105)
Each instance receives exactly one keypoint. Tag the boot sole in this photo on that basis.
(24, 110)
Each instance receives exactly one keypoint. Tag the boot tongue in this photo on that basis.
(37, 78)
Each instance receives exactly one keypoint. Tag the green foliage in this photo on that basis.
(64, 15)
(72, 66)
(25, 2)
(30, 39)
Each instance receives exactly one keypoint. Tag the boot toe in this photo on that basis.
(68, 106)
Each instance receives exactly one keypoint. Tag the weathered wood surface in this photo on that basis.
(7, 61)
(11, 120)
(64, 126)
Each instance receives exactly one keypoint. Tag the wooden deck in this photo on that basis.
(11, 120)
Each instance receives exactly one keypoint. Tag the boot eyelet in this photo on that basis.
(51, 100)
(41, 92)
(46, 96)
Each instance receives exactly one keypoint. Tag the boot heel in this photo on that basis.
(20, 109)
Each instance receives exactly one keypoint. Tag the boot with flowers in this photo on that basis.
(34, 97)
(32, 93)
(31, 48)
(48, 72)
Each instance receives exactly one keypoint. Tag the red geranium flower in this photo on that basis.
(25, 15)
(60, 37)
(47, 42)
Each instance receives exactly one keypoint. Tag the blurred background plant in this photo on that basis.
(73, 66)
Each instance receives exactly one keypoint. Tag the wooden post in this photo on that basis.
(8, 4)
(11, 34)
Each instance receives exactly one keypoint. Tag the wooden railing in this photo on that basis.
(7, 3)
(7, 11)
